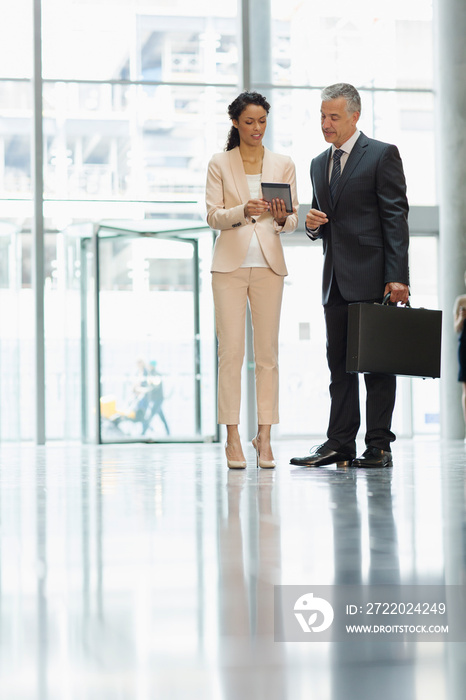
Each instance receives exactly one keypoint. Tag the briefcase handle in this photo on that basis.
(386, 301)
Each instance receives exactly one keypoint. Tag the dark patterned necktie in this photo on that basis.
(336, 172)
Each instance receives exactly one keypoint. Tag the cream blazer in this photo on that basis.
(227, 192)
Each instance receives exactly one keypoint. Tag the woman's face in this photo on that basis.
(251, 125)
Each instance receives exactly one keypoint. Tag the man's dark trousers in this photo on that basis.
(344, 388)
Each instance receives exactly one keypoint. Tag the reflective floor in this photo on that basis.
(143, 572)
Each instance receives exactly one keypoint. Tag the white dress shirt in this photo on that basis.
(347, 147)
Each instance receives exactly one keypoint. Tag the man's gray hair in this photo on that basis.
(351, 95)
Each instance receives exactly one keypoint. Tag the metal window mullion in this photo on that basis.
(38, 229)
(197, 340)
(97, 345)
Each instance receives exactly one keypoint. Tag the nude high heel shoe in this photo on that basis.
(263, 463)
(234, 464)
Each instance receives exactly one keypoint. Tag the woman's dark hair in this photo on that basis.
(237, 107)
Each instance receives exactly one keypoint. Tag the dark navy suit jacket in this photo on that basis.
(366, 239)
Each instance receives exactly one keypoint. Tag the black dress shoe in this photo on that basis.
(321, 456)
(374, 457)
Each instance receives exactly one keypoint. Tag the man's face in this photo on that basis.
(337, 124)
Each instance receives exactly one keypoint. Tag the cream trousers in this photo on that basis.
(232, 290)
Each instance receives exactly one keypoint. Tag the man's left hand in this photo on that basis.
(398, 292)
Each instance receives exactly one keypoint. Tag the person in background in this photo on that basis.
(459, 315)
(248, 266)
(155, 398)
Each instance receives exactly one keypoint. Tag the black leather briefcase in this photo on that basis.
(393, 339)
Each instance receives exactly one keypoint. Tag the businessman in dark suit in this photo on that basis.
(360, 212)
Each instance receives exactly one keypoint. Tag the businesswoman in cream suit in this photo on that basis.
(248, 265)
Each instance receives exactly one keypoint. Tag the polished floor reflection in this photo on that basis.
(137, 572)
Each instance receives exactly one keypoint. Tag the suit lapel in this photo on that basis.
(238, 175)
(321, 176)
(357, 152)
(268, 167)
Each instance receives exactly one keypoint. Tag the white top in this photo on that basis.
(255, 256)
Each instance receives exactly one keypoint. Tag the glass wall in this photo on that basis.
(135, 96)
(386, 50)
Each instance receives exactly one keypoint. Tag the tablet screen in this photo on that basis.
(282, 190)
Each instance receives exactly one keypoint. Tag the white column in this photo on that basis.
(450, 29)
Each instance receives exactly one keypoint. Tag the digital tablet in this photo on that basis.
(282, 190)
